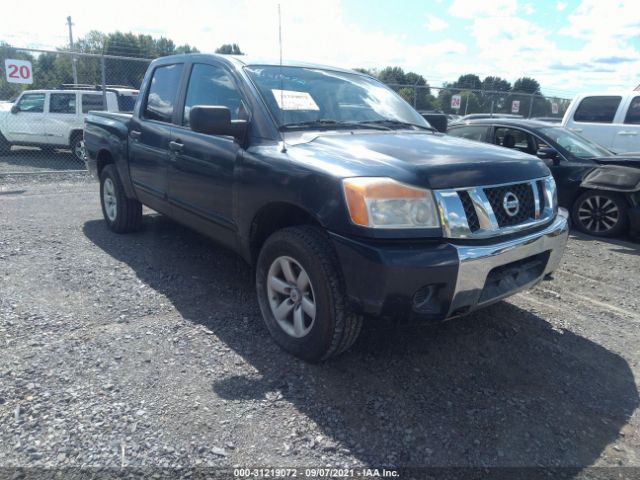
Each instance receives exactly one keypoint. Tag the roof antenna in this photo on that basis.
(283, 147)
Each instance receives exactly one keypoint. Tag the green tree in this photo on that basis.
(390, 75)
(495, 84)
(468, 81)
(229, 49)
(527, 85)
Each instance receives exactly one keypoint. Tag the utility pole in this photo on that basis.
(73, 58)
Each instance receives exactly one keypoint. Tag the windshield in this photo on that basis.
(311, 97)
(574, 143)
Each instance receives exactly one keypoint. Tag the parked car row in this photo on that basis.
(599, 188)
(54, 118)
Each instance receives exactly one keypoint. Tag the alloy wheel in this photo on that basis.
(291, 296)
(109, 199)
(598, 214)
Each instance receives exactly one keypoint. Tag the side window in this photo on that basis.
(92, 102)
(633, 114)
(32, 102)
(62, 103)
(601, 109)
(162, 93)
(470, 132)
(514, 138)
(211, 85)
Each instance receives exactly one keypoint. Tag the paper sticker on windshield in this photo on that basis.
(292, 100)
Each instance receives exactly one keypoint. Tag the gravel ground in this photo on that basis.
(148, 350)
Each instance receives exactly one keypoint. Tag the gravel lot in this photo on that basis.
(149, 350)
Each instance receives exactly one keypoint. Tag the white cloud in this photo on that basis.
(529, 9)
(504, 43)
(435, 24)
(474, 8)
(560, 6)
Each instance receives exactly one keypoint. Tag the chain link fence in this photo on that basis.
(41, 122)
(465, 101)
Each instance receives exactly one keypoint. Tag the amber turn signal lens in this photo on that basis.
(359, 190)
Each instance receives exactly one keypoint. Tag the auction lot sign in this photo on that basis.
(515, 106)
(18, 71)
(455, 101)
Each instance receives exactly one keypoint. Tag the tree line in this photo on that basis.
(492, 93)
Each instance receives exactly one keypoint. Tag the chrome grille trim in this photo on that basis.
(454, 219)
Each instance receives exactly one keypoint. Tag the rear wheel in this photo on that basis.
(302, 296)
(77, 147)
(122, 214)
(600, 213)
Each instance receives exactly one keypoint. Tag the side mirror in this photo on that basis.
(548, 153)
(216, 121)
(15, 109)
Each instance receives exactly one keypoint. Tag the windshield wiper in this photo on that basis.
(332, 123)
(398, 123)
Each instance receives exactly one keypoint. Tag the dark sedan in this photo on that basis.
(599, 188)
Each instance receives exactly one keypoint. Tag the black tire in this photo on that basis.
(335, 327)
(5, 146)
(600, 213)
(124, 215)
(77, 147)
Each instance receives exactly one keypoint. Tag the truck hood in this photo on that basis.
(431, 160)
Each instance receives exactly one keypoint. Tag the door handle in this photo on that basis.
(628, 134)
(135, 134)
(577, 130)
(176, 146)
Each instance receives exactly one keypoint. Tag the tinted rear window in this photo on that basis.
(126, 102)
(162, 93)
(633, 114)
(599, 109)
(92, 102)
(470, 132)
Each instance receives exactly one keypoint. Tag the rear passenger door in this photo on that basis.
(150, 134)
(62, 118)
(515, 139)
(595, 118)
(627, 138)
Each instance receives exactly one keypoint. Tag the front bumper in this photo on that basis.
(435, 280)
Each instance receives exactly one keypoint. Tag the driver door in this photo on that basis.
(201, 166)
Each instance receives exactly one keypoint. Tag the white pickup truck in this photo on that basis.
(55, 118)
(610, 119)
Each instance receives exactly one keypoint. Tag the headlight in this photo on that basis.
(379, 202)
(551, 193)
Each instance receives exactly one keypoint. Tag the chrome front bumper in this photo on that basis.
(476, 262)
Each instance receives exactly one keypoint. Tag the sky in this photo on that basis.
(569, 46)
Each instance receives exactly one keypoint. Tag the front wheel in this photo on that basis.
(600, 213)
(5, 146)
(122, 214)
(302, 296)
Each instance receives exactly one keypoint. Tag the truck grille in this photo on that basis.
(469, 210)
(491, 210)
(526, 206)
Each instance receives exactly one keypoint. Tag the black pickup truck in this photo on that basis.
(343, 198)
